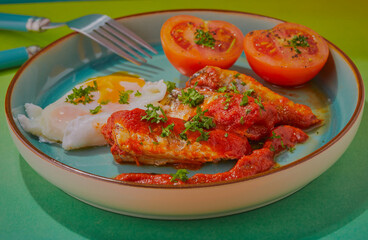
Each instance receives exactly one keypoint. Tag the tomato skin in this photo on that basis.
(271, 56)
(178, 43)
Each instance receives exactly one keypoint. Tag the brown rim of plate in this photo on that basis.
(56, 163)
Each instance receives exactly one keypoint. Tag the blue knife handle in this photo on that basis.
(18, 22)
(13, 57)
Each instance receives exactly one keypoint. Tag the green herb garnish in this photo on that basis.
(291, 149)
(198, 123)
(166, 131)
(170, 86)
(152, 114)
(204, 38)
(227, 100)
(298, 41)
(275, 136)
(222, 89)
(249, 92)
(124, 96)
(82, 95)
(204, 136)
(245, 99)
(226, 135)
(272, 148)
(104, 102)
(180, 174)
(259, 103)
(96, 110)
(233, 87)
(191, 97)
(137, 94)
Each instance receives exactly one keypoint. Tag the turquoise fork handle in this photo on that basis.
(23, 23)
(17, 56)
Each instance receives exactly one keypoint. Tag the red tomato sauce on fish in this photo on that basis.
(261, 160)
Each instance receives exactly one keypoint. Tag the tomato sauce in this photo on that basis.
(250, 118)
(261, 160)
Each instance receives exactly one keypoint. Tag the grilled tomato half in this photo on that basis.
(191, 43)
(289, 54)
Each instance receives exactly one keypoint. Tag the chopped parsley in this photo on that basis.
(249, 92)
(227, 100)
(82, 95)
(156, 143)
(104, 102)
(291, 149)
(233, 87)
(237, 75)
(180, 174)
(124, 96)
(274, 135)
(222, 89)
(96, 110)
(272, 148)
(137, 94)
(204, 136)
(198, 123)
(191, 97)
(166, 131)
(226, 135)
(282, 144)
(259, 103)
(152, 114)
(298, 41)
(204, 38)
(245, 99)
(242, 120)
(170, 86)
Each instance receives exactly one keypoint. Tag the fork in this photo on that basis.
(100, 28)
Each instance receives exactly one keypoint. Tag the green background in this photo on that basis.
(334, 206)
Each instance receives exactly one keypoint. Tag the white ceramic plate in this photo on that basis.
(336, 94)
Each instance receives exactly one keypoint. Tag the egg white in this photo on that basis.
(74, 126)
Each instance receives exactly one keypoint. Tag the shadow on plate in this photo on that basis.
(328, 203)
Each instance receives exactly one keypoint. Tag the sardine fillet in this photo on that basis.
(289, 113)
(135, 140)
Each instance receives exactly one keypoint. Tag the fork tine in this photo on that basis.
(131, 34)
(129, 42)
(102, 31)
(103, 41)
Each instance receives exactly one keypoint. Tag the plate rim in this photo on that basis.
(13, 127)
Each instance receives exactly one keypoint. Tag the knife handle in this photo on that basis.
(23, 23)
(17, 56)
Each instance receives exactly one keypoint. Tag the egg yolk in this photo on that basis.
(110, 86)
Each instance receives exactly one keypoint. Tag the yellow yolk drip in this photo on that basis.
(110, 86)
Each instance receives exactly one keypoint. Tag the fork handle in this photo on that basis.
(17, 56)
(23, 23)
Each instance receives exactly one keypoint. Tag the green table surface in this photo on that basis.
(334, 206)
